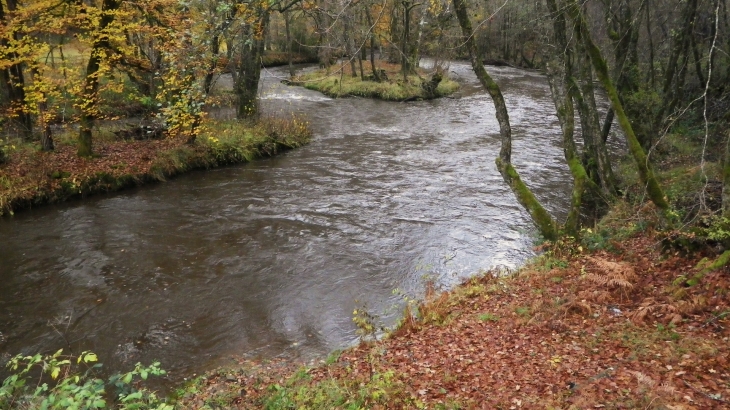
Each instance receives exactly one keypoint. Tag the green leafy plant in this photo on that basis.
(57, 382)
(488, 317)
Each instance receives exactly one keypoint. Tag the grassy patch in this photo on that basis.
(339, 83)
(301, 392)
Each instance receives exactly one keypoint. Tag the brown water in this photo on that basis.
(270, 258)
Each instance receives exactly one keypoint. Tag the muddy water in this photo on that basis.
(271, 258)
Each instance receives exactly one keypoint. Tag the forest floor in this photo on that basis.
(615, 327)
(29, 177)
(337, 81)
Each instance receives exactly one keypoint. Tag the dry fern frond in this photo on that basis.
(612, 274)
(657, 310)
(642, 379)
(697, 304)
(667, 388)
(580, 306)
(597, 296)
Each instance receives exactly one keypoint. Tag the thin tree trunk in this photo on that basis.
(91, 83)
(560, 79)
(376, 77)
(289, 53)
(698, 62)
(726, 180)
(656, 194)
(566, 116)
(14, 81)
(543, 220)
(649, 36)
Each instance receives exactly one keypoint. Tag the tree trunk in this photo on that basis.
(91, 83)
(656, 194)
(562, 90)
(543, 220)
(405, 44)
(249, 73)
(726, 180)
(558, 80)
(289, 52)
(376, 77)
(14, 81)
(214, 50)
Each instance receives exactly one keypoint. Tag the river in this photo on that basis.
(271, 258)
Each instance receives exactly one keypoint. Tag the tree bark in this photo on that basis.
(14, 80)
(369, 18)
(656, 194)
(91, 83)
(543, 220)
(726, 180)
(289, 52)
(247, 84)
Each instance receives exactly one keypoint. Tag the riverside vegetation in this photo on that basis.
(31, 178)
(628, 315)
(626, 308)
(385, 84)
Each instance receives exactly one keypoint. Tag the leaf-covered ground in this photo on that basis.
(31, 177)
(580, 330)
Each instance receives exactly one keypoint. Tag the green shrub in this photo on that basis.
(57, 382)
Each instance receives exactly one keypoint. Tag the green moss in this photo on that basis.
(545, 223)
(336, 86)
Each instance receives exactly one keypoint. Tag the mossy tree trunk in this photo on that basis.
(545, 223)
(595, 155)
(654, 190)
(249, 68)
(559, 89)
(563, 89)
(726, 179)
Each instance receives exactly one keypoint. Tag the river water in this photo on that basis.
(270, 258)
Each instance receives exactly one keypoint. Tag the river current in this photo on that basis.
(271, 258)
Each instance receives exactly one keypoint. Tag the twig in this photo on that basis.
(703, 393)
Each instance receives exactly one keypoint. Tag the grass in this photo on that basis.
(339, 83)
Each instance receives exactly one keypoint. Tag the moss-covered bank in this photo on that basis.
(337, 83)
(31, 178)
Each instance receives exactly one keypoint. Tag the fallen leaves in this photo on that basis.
(550, 356)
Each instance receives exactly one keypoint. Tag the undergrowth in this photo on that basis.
(342, 84)
(31, 178)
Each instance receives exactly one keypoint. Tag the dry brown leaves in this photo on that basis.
(513, 344)
(614, 349)
(32, 172)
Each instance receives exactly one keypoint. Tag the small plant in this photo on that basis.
(523, 311)
(56, 382)
(365, 322)
(488, 317)
(667, 332)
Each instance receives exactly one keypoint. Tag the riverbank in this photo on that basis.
(615, 327)
(337, 82)
(31, 178)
